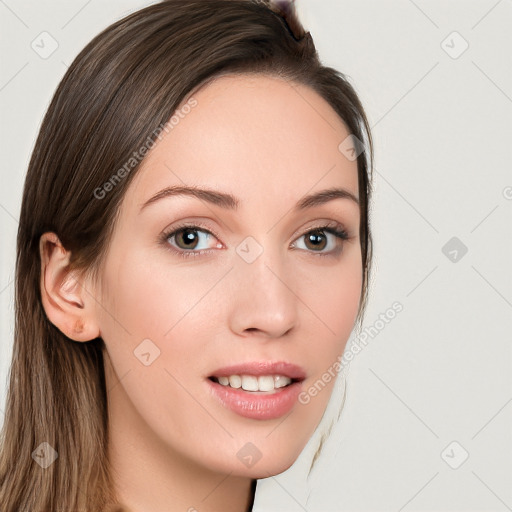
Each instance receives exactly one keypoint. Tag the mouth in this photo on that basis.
(259, 390)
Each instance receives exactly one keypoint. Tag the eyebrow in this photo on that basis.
(230, 202)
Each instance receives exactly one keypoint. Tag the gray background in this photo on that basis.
(435, 384)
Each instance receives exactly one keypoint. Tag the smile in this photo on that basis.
(258, 390)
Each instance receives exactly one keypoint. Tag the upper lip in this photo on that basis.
(258, 368)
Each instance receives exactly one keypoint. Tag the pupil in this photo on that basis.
(316, 239)
(188, 235)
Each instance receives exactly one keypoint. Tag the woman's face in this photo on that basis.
(252, 291)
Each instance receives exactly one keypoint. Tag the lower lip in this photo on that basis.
(257, 405)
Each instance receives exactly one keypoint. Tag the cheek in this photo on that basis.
(166, 308)
(337, 300)
(154, 329)
(331, 307)
(330, 299)
(147, 300)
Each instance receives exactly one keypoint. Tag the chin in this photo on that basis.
(260, 459)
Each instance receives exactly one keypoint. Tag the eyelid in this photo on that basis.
(188, 224)
(322, 223)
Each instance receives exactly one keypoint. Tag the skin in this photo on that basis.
(268, 142)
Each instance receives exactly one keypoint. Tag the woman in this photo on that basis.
(193, 253)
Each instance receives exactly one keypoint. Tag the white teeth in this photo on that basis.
(235, 381)
(265, 383)
(224, 381)
(249, 383)
(252, 383)
(281, 382)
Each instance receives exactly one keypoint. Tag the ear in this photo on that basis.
(69, 305)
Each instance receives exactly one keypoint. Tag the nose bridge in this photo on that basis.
(263, 299)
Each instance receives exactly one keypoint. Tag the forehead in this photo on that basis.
(252, 136)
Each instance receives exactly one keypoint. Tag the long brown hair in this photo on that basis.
(125, 83)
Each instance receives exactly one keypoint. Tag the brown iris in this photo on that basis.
(315, 237)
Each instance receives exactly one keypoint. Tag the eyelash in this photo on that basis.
(334, 228)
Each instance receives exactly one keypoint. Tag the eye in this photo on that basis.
(316, 240)
(190, 240)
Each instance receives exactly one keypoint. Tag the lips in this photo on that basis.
(257, 368)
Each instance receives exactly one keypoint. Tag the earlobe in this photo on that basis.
(65, 299)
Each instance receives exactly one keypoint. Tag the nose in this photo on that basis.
(262, 301)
